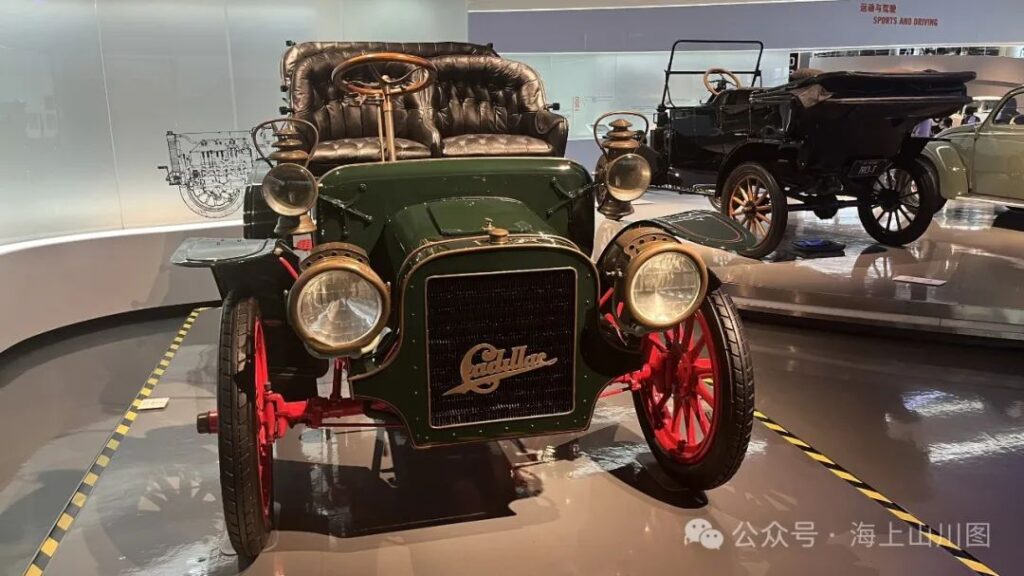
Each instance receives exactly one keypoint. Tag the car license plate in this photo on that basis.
(866, 168)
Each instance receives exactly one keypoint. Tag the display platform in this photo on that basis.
(819, 491)
(972, 249)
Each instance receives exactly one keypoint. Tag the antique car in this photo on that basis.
(983, 161)
(820, 143)
(456, 300)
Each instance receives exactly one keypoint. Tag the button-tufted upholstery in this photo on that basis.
(481, 104)
(348, 130)
(337, 52)
(489, 106)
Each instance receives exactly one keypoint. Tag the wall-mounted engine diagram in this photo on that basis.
(210, 169)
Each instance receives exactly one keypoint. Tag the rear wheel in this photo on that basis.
(900, 205)
(753, 198)
(695, 401)
(245, 443)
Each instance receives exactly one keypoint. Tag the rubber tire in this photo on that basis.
(780, 210)
(716, 202)
(729, 445)
(247, 527)
(929, 195)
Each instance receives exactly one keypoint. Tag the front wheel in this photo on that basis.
(753, 198)
(900, 205)
(695, 400)
(244, 442)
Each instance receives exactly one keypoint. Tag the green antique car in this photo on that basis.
(459, 300)
(983, 161)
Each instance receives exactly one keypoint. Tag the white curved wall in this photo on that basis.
(48, 284)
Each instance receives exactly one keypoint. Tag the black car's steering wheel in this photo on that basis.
(382, 83)
(725, 79)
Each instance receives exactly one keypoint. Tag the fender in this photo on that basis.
(949, 167)
(238, 263)
(752, 149)
(704, 227)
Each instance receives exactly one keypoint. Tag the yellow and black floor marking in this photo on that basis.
(965, 557)
(67, 517)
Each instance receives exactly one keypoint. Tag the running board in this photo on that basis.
(994, 200)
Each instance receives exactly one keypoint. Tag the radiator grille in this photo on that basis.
(535, 309)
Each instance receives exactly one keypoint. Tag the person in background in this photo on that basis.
(970, 116)
(923, 129)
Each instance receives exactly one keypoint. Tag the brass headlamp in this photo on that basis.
(658, 280)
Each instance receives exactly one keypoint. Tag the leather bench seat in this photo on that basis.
(480, 105)
(494, 145)
(365, 149)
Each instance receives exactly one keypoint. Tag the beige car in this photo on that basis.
(983, 161)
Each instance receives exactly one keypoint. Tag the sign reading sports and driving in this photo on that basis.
(887, 15)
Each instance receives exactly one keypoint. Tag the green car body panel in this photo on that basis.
(554, 189)
(424, 219)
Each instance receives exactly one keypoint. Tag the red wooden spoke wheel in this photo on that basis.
(694, 395)
(245, 434)
(264, 420)
(679, 395)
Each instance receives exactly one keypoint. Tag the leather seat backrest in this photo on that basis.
(484, 95)
(316, 99)
(338, 52)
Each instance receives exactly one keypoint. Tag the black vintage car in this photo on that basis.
(821, 142)
(418, 242)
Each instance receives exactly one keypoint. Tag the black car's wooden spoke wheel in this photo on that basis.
(899, 206)
(695, 398)
(245, 441)
(753, 198)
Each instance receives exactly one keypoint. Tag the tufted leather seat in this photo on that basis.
(337, 52)
(489, 106)
(365, 149)
(348, 129)
(481, 105)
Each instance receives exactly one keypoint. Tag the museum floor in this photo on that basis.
(937, 428)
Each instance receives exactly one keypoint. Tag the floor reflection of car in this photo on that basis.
(984, 161)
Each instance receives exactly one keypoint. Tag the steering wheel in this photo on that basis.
(725, 79)
(384, 84)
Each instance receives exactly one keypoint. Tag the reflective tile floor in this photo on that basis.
(934, 427)
(976, 248)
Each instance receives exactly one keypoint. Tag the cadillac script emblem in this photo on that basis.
(484, 367)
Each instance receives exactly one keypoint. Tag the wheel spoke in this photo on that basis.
(702, 418)
(657, 343)
(704, 392)
(763, 230)
(678, 408)
(691, 424)
(694, 352)
(889, 221)
(905, 214)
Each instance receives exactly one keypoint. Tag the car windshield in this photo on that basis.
(1011, 112)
